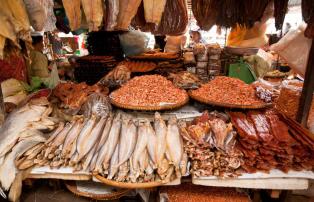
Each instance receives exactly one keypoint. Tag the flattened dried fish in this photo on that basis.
(174, 144)
(114, 163)
(161, 134)
(112, 140)
(128, 139)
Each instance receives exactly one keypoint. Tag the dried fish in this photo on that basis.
(105, 133)
(114, 163)
(161, 134)
(128, 139)
(71, 137)
(55, 133)
(152, 145)
(174, 144)
(123, 172)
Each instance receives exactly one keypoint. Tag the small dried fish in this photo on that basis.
(123, 172)
(152, 145)
(161, 134)
(105, 133)
(71, 136)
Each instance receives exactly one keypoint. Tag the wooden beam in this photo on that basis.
(308, 90)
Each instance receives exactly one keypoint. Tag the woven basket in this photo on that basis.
(128, 185)
(150, 108)
(71, 186)
(227, 105)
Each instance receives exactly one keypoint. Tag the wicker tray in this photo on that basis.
(150, 108)
(227, 105)
(128, 185)
(71, 186)
(158, 56)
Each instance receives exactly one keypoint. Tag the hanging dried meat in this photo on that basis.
(205, 13)
(254, 10)
(171, 24)
(94, 12)
(36, 13)
(112, 11)
(281, 8)
(308, 16)
(153, 10)
(127, 10)
(73, 12)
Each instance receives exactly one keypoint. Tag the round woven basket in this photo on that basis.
(227, 105)
(150, 108)
(128, 185)
(71, 186)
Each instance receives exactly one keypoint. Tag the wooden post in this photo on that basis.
(308, 89)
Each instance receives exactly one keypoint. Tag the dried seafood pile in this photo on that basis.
(22, 129)
(73, 95)
(227, 90)
(116, 77)
(139, 66)
(149, 91)
(209, 141)
(196, 193)
(185, 80)
(114, 147)
(267, 143)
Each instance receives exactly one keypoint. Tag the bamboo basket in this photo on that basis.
(71, 186)
(227, 105)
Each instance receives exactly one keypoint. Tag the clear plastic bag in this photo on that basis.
(294, 47)
(133, 43)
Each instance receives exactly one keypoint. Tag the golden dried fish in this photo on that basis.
(58, 140)
(161, 134)
(113, 169)
(140, 147)
(71, 136)
(128, 139)
(30, 151)
(87, 129)
(174, 144)
(105, 133)
(162, 168)
(184, 163)
(112, 140)
(152, 144)
(36, 151)
(27, 163)
(93, 10)
(86, 142)
(55, 133)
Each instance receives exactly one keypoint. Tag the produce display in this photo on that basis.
(267, 143)
(149, 91)
(210, 142)
(74, 95)
(226, 90)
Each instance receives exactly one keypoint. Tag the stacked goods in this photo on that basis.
(267, 143)
(151, 91)
(114, 147)
(193, 193)
(289, 98)
(91, 68)
(139, 66)
(73, 95)
(228, 91)
(209, 141)
(214, 63)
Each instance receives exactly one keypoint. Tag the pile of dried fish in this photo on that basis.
(209, 142)
(115, 147)
(21, 131)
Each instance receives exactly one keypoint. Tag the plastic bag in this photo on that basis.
(133, 43)
(53, 80)
(96, 104)
(289, 99)
(294, 47)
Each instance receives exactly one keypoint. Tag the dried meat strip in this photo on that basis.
(261, 125)
(244, 126)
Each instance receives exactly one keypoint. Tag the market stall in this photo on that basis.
(136, 120)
